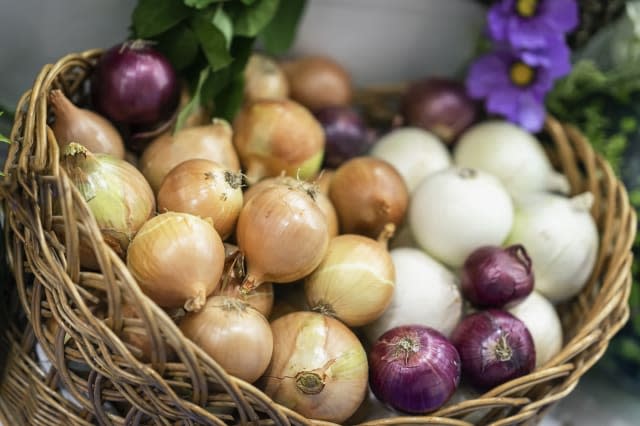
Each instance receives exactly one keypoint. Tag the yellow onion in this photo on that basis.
(283, 235)
(234, 334)
(210, 142)
(321, 199)
(275, 136)
(117, 194)
(368, 193)
(319, 368)
(203, 188)
(323, 180)
(135, 334)
(263, 79)
(355, 280)
(177, 259)
(73, 124)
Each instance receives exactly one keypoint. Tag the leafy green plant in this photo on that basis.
(210, 41)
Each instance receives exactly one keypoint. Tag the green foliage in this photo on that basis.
(209, 41)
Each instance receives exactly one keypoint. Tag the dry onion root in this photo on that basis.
(177, 259)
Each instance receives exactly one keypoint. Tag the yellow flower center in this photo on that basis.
(521, 74)
(526, 8)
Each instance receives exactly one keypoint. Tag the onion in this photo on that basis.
(283, 235)
(177, 260)
(264, 79)
(199, 115)
(85, 127)
(272, 137)
(234, 334)
(322, 200)
(440, 106)
(211, 142)
(206, 189)
(345, 133)
(135, 334)
(117, 194)
(319, 368)
(323, 180)
(318, 82)
(426, 293)
(511, 154)
(355, 280)
(415, 153)
(494, 347)
(135, 84)
(455, 211)
(414, 369)
(493, 277)
(368, 193)
(561, 238)
(542, 321)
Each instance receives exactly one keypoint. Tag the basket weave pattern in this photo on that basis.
(76, 318)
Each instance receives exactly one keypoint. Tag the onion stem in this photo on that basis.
(197, 302)
(387, 233)
(309, 383)
(502, 350)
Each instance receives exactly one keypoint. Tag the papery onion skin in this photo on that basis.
(264, 79)
(493, 277)
(414, 369)
(85, 127)
(354, 282)
(368, 193)
(494, 347)
(260, 299)
(234, 334)
(276, 136)
(319, 368)
(345, 134)
(283, 235)
(211, 142)
(135, 84)
(117, 194)
(206, 189)
(177, 260)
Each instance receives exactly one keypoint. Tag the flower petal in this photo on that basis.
(561, 15)
(487, 73)
(528, 33)
(530, 112)
(497, 19)
(504, 102)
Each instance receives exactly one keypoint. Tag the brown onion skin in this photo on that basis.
(206, 189)
(318, 82)
(276, 136)
(73, 124)
(283, 235)
(264, 79)
(493, 277)
(211, 142)
(368, 193)
(177, 260)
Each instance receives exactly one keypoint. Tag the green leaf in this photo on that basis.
(180, 45)
(279, 35)
(195, 100)
(214, 84)
(248, 2)
(253, 18)
(223, 22)
(229, 100)
(212, 42)
(201, 4)
(153, 17)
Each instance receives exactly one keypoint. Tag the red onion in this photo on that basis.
(135, 84)
(414, 369)
(441, 106)
(345, 134)
(493, 277)
(495, 347)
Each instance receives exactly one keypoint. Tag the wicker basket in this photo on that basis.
(109, 385)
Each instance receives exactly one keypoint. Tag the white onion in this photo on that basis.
(561, 239)
(511, 154)
(542, 320)
(426, 293)
(455, 211)
(414, 152)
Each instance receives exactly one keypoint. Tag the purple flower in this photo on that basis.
(513, 83)
(528, 23)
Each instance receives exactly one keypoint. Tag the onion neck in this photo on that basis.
(309, 383)
(250, 283)
(196, 303)
(63, 107)
(386, 234)
(324, 309)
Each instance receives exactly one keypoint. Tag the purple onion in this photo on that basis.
(135, 84)
(441, 106)
(413, 368)
(493, 277)
(345, 134)
(494, 347)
